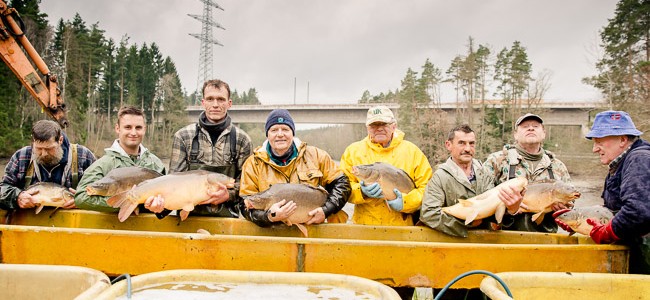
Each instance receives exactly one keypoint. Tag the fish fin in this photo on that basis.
(471, 217)
(500, 212)
(137, 210)
(117, 199)
(538, 217)
(55, 209)
(39, 208)
(184, 214)
(303, 229)
(465, 203)
(125, 210)
(572, 233)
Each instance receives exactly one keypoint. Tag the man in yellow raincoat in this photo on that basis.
(283, 158)
(385, 143)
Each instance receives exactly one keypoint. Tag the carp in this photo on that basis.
(388, 177)
(49, 194)
(485, 204)
(577, 217)
(120, 180)
(181, 191)
(306, 197)
(540, 196)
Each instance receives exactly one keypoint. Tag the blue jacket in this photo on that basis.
(627, 192)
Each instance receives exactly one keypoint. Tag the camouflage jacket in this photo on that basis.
(497, 166)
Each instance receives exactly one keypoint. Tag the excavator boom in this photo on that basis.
(21, 57)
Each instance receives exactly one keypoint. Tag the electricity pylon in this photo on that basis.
(205, 55)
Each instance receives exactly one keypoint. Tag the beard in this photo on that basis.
(50, 160)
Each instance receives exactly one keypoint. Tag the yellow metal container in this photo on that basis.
(39, 282)
(414, 258)
(566, 285)
(211, 284)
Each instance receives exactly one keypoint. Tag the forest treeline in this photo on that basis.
(98, 75)
(505, 77)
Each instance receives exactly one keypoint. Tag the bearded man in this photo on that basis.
(50, 158)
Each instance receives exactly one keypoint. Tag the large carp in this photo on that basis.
(540, 196)
(388, 177)
(181, 191)
(577, 217)
(485, 204)
(49, 194)
(306, 197)
(120, 180)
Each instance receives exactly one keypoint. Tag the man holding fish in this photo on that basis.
(626, 193)
(526, 158)
(284, 159)
(51, 158)
(127, 151)
(213, 144)
(375, 204)
(460, 177)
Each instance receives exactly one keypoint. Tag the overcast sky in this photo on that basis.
(343, 47)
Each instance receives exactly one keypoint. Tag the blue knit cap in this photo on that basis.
(608, 123)
(279, 116)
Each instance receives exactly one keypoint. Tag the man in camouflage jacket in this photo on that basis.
(527, 158)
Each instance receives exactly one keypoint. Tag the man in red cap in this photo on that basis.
(627, 186)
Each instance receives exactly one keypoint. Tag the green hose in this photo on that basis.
(461, 276)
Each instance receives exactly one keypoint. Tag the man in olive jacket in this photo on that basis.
(127, 151)
(460, 177)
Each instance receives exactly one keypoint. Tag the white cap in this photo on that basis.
(379, 114)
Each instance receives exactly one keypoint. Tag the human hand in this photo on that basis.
(602, 234)
(396, 204)
(558, 206)
(25, 199)
(317, 216)
(217, 195)
(372, 190)
(512, 199)
(281, 210)
(559, 222)
(155, 204)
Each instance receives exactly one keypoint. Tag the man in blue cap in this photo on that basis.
(627, 186)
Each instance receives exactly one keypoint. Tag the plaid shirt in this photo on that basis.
(13, 181)
(614, 164)
(217, 155)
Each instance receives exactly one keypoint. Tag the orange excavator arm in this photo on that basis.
(40, 83)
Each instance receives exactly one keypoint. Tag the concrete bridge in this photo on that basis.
(554, 113)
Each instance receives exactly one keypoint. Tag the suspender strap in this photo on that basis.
(550, 173)
(74, 166)
(29, 174)
(511, 172)
(194, 152)
(233, 146)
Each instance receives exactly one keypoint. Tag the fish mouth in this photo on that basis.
(576, 195)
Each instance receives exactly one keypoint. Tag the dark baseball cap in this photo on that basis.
(527, 117)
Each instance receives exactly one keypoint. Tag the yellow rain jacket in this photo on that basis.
(401, 154)
(312, 166)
